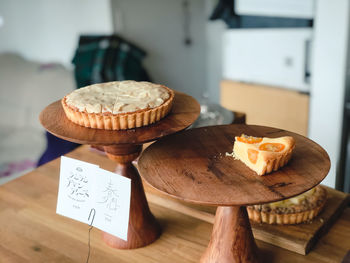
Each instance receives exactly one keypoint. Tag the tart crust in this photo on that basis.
(119, 121)
(293, 214)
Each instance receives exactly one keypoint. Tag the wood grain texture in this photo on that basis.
(143, 228)
(184, 112)
(232, 240)
(299, 238)
(122, 153)
(31, 231)
(192, 166)
(303, 237)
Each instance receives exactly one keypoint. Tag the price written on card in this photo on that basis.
(84, 186)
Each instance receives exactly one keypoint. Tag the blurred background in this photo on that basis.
(283, 63)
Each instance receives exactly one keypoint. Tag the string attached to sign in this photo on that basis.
(90, 228)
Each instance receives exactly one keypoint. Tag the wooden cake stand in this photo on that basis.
(124, 147)
(192, 166)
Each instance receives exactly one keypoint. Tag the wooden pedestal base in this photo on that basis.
(232, 239)
(200, 173)
(143, 227)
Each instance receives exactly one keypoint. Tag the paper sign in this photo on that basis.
(112, 203)
(84, 186)
(75, 191)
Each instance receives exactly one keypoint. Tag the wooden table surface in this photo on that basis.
(31, 231)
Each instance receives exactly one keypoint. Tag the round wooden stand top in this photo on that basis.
(184, 112)
(193, 167)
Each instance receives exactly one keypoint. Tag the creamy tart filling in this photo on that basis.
(118, 97)
(118, 105)
(262, 154)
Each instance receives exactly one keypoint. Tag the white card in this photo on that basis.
(84, 186)
(112, 203)
(75, 192)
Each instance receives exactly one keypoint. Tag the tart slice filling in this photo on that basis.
(261, 154)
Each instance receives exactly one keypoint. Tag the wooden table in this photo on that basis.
(31, 231)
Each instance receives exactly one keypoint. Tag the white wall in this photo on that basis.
(214, 43)
(48, 30)
(328, 80)
(157, 26)
(331, 33)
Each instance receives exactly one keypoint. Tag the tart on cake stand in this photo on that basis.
(192, 166)
(124, 146)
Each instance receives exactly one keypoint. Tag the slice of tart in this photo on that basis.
(118, 105)
(263, 155)
(296, 210)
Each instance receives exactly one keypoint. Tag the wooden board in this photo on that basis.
(269, 106)
(184, 112)
(299, 238)
(192, 166)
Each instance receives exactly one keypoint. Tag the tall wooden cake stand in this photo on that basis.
(192, 166)
(124, 147)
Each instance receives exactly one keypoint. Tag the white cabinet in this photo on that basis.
(276, 57)
(277, 8)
